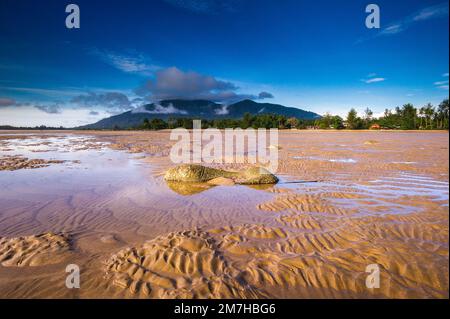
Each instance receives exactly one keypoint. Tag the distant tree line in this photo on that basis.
(40, 128)
(248, 120)
(406, 117)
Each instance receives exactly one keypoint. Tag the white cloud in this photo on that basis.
(136, 63)
(443, 84)
(393, 29)
(223, 110)
(432, 12)
(374, 80)
(173, 83)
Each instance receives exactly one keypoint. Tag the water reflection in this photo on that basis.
(188, 189)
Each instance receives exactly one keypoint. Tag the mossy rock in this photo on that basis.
(192, 173)
(256, 176)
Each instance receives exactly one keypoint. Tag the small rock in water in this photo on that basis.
(108, 239)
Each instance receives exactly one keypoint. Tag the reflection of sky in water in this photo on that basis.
(383, 193)
(407, 184)
(53, 147)
(89, 163)
(335, 160)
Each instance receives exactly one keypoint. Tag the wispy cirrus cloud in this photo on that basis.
(206, 6)
(58, 92)
(373, 78)
(136, 63)
(442, 84)
(392, 29)
(399, 26)
(432, 12)
(438, 10)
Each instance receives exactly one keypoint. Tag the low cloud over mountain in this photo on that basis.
(173, 83)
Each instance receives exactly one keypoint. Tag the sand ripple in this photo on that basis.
(38, 250)
(179, 265)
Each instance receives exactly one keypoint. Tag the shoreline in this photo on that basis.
(168, 130)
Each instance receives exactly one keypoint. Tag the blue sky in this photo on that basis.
(316, 55)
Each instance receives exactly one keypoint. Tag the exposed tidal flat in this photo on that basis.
(99, 200)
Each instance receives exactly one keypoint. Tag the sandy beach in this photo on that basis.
(345, 200)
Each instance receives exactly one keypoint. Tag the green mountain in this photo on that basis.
(200, 109)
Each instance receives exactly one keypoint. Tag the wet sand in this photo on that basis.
(98, 200)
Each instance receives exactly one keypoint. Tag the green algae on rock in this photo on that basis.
(200, 174)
